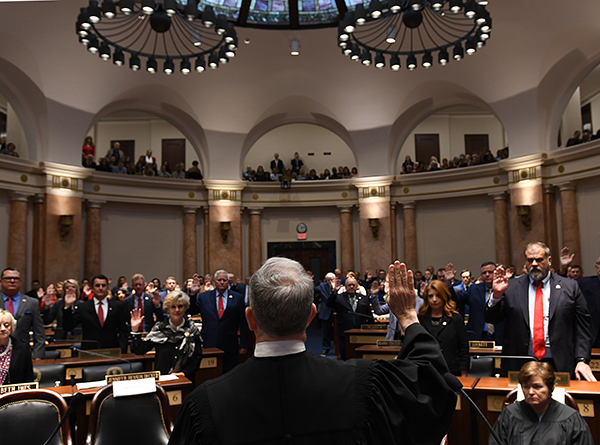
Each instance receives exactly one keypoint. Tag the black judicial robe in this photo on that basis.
(305, 399)
(561, 424)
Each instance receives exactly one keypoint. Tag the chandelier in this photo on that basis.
(157, 30)
(409, 29)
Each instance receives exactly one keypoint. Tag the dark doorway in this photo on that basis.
(318, 257)
(128, 149)
(173, 151)
(426, 146)
(477, 143)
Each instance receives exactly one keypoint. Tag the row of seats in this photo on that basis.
(49, 375)
(29, 417)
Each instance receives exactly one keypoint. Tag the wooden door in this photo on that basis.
(173, 150)
(426, 146)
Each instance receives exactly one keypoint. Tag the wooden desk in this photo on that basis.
(464, 422)
(210, 367)
(177, 390)
(372, 352)
(356, 338)
(490, 393)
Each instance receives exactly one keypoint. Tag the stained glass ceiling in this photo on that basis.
(282, 13)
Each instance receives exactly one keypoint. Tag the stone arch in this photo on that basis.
(167, 104)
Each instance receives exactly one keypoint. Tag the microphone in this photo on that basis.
(75, 401)
(88, 351)
(74, 342)
(456, 386)
(515, 357)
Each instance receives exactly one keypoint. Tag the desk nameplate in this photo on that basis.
(373, 327)
(208, 362)
(4, 389)
(132, 376)
(365, 339)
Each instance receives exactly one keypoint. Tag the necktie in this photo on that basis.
(9, 305)
(220, 305)
(539, 342)
(141, 305)
(490, 326)
(101, 314)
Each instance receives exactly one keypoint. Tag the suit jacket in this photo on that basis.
(150, 311)
(223, 333)
(20, 369)
(590, 287)
(452, 337)
(349, 319)
(476, 297)
(568, 326)
(29, 319)
(360, 401)
(324, 290)
(113, 334)
(278, 164)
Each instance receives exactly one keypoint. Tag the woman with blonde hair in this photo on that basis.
(15, 354)
(438, 315)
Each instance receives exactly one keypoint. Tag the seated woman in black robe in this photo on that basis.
(177, 341)
(539, 418)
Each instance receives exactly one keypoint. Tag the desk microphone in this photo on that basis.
(456, 386)
(513, 357)
(75, 401)
(88, 351)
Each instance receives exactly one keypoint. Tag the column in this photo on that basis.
(411, 257)
(93, 247)
(190, 243)
(225, 244)
(346, 239)
(254, 240)
(393, 233)
(570, 219)
(37, 242)
(502, 229)
(17, 235)
(550, 219)
(206, 239)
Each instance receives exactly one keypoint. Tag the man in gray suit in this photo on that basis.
(26, 311)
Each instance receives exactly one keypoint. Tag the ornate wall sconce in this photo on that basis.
(525, 213)
(374, 225)
(65, 222)
(225, 228)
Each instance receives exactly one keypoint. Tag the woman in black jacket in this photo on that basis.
(15, 355)
(439, 316)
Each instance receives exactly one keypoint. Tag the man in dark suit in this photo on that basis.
(476, 297)
(325, 312)
(151, 306)
(352, 309)
(277, 163)
(590, 287)
(26, 311)
(102, 320)
(223, 316)
(546, 316)
(366, 401)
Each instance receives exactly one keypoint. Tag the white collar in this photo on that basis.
(278, 348)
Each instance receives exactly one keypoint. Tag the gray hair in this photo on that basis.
(221, 271)
(281, 296)
(329, 275)
(538, 243)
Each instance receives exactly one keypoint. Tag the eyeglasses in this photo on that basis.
(11, 278)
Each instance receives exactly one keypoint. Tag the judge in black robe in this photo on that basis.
(287, 395)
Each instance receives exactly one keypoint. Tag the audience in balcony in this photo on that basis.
(9, 150)
(88, 148)
(194, 172)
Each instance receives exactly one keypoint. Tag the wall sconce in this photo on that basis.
(65, 222)
(525, 213)
(225, 228)
(374, 225)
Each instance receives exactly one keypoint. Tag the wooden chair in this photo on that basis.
(30, 416)
(142, 419)
(511, 397)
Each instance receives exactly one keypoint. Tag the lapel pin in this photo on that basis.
(558, 286)
(230, 296)
(444, 323)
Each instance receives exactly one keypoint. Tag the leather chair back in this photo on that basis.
(94, 373)
(482, 367)
(29, 417)
(141, 419)
(48, 375)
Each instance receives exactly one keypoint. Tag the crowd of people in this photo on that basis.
(115, 161)
(296, 171)
(468, 160)
(581, 137)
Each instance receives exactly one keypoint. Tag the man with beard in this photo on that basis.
(546, 316)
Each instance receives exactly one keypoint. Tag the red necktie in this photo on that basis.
(9, 305)
(141, 306)
(101, 314)
(220, 306)
(539, 341)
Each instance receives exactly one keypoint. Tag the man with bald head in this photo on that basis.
(285, 394)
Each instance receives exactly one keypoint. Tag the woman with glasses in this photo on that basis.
(177, 340)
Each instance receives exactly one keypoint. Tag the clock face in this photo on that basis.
(301, 228)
